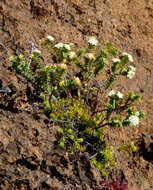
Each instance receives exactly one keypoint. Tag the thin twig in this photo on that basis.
(31, 51)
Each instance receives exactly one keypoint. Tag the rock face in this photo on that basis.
(29, 158)
(147, 147)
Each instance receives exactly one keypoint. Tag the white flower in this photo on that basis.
(77, 80)
(90, 56)
(130, 74)
(72, 54)
(93, 41)
(134, 120)
(119, 94)
(129, 56)
(111, 93)
(132, 68)
(50, 38)
(63, 66)
(115, 60)
(59, 45)
(137, 113)
(36, 51)
(67, 46)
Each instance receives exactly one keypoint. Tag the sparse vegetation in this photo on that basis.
(80, 102)
(129, 147)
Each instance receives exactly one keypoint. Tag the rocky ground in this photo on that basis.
(29, 158)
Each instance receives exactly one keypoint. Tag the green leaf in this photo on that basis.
(137, 97)
(60, 130)
(142, 114)
(100, 64)
(80, 140)
(69, 131)
(71, 137)
(46, 105)
(80, 52)
(94, 161)
(53, 116)
(62, 143)
(77, 144)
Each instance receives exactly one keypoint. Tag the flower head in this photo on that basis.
(132, 68)
(36, 51)
(130, 58)
(134, 120)
(90, 56)
(67, 46)
(119, 95)
(115, 60)
(130, 74)
(93, 41)
(63, 66)
(72, 54)
(77, 81)
(137, 113)
(111, 93)
(59, 45)
(50, 38)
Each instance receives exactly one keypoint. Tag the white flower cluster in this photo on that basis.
(93, 41)
(63, 66)
(115, 60)
(130, 58)
(72, 55)
(131, 72)
(59, 45)
(67, 46)
(50, 38)
(62, 45)
(36, 51)
(111, 93)
(90, 56)
(118, 94)
(134, 120)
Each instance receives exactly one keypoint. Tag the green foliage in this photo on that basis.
(128, 147)
(77, 100)
(132, 97)
(23, 67)
(104, 160)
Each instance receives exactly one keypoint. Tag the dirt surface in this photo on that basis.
(29, 158)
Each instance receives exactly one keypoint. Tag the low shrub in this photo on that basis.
(75, 88)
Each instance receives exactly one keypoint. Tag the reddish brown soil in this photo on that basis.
(29, 158)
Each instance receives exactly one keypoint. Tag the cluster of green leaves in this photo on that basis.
(47, 77)
(72, 97)
(77, 130)
(131, 147)
(22, 67)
